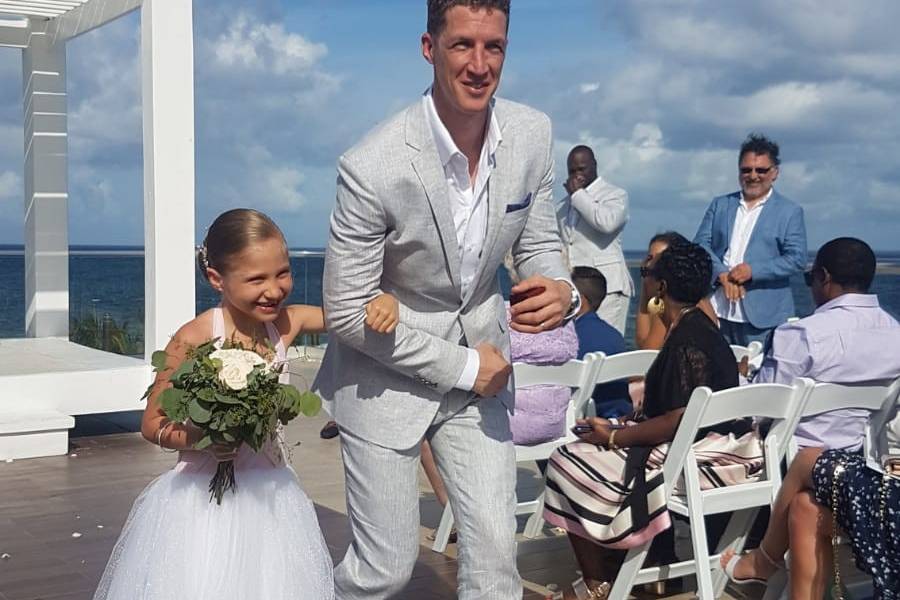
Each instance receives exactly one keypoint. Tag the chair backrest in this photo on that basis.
(781, 403)
(751, 351)
(575, 374)
(825, 397)
(623, 365)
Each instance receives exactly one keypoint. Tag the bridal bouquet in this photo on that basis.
(234, 397)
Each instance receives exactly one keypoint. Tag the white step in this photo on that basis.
(29, 433)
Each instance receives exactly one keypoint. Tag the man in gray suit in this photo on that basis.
(427, 206)
(591, 220)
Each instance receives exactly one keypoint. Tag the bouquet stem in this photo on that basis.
(222, 481)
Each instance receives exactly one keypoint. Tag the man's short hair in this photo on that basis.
(849, 261)
(760, 144)
(591, 284)
(437, 11)
(582, 149)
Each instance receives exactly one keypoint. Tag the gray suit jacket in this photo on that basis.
(596, 239)
(392, 230)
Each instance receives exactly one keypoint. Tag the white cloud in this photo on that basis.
(248, 44)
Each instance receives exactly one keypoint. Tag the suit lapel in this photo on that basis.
(427, 165)
(497, 194)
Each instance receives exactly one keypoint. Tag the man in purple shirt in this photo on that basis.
(848, 339)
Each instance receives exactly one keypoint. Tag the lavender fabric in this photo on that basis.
(540, 414)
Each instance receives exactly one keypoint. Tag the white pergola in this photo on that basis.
(41, 29)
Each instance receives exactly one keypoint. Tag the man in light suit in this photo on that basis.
(757, 241)
(591, 220)
(427, 206)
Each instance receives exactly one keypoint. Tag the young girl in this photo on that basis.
(263, 541)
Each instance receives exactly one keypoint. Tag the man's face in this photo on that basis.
(581, 165)
(468, 57)
(757, 173)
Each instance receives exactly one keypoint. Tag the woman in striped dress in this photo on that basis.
(607, 490)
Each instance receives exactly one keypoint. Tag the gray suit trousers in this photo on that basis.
(614, 310)
(475, 456)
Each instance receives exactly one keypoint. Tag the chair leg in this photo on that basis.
(631, 566)
(735, 538)
(442, 535)
(536, 521)
(705, 589)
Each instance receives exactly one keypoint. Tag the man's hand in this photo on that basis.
(544, 311)
(741, 274)
(383, 314)
(733, 291)
(574, 183)
(493, 371)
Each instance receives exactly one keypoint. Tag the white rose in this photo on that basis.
(236, 366)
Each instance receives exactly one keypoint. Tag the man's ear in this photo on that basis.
(214, 278)
(826, 276)
(428, 47)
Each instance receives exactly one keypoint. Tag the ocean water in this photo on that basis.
(110, 281)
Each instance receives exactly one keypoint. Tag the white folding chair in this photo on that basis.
(751, 351)
(575, 374)
(778, 402)
(878, 397)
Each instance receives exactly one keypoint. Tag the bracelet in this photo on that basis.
(159, 437)
(611, 442)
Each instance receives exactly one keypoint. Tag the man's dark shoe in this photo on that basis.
(329, 431)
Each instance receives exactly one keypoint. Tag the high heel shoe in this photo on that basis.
(733, 561)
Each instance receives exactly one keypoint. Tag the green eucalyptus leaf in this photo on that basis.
(171, 400)
(205, 442)
(310, 404)
(183, 370)
(158, 360)
(199, 414)
(226, 399)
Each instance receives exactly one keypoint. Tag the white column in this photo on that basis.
(168, 106)
(46, 188)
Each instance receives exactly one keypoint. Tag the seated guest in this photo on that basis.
(848, 339)
(649, 330)
(596, 335)
(624, 466)
(823, 487)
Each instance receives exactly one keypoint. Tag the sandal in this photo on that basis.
(733, 561)
(330, 430)
(583, 591)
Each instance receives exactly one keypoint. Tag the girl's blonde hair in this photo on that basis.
(231, 233)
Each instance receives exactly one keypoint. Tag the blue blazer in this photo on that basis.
(776, 250)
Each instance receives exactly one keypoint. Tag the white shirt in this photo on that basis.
(744, 222)
(468, 205)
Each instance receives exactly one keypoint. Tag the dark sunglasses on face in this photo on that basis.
(759, 170)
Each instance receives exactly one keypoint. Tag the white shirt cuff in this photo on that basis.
(470, 371)
(576, 304)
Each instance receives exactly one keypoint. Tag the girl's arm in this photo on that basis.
(156, 427)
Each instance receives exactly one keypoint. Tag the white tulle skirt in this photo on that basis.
(263, 541)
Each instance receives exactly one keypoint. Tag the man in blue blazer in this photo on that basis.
(757, 240)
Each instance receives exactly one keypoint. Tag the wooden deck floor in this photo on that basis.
(43, 502)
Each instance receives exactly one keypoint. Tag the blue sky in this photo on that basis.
(663, 91)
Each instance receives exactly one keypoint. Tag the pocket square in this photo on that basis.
(519, 205)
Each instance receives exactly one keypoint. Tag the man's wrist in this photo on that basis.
(574, 300)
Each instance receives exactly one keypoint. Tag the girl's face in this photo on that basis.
(257, 281)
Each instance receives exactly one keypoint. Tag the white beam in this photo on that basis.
(168, 105)
(90, 15)
(14, 32)
(29, 11)
(46, 188)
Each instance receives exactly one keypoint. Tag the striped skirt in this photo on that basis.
(590, 494)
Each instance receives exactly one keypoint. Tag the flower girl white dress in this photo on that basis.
(263, 541)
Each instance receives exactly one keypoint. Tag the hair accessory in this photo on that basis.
(656, 306)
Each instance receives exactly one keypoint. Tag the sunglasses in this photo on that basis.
(758, 170)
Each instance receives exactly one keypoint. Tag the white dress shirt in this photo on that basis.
(468, 205)
(744, 222)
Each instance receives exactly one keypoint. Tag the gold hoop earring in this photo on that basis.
(656, 306)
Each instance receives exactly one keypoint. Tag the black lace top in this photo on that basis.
(695, 354)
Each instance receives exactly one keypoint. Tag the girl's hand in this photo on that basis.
(383, 314)
(600, 434)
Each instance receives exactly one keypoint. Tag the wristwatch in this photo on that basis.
(574, 302)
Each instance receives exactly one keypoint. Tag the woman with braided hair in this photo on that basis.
(607, 490)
